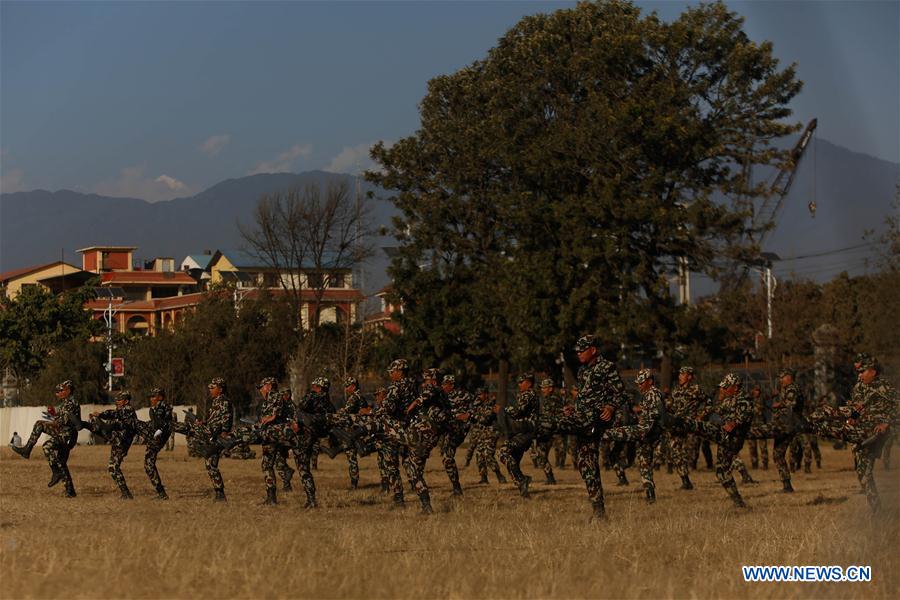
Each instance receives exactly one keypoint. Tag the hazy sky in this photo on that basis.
(157, 100)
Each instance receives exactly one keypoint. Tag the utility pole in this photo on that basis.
(770, 283)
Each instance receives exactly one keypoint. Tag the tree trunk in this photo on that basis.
(502, 381)
(665, 370)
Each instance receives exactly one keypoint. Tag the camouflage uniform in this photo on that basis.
(400, 394)
(645, 433)
(125, 421)
(62, 429)
(781, 427)
(352, 406)
(551, 406)
(526, 408)
(599, 386)
(315, 403)
(484, 439)
(871, 405)
(460, 402)
(219, 420)
(282, 468)
(161, 419)
(736, 410)
(687, 401)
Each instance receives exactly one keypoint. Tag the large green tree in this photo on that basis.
(555, 184)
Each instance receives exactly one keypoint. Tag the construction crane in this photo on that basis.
(765, 217)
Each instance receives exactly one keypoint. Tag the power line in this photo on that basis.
(830, 252)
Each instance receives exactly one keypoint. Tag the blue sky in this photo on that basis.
(157, 100)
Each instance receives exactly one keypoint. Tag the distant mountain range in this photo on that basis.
(853, 193)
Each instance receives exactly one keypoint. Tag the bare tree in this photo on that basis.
(307, 238)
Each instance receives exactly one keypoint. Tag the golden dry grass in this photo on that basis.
(491, 544)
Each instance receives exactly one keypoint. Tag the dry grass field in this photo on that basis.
(490, 544)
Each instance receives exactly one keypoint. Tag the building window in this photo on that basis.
(336, 280)
(315, 280)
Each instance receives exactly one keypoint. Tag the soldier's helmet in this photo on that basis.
(449, 379)
(526, 376)
(868, 362)
(430, 374)
(217, 382)
(287, 393)
(399, 364)
(351, 381)
(124, 396)
(860, 357)
(546, 383)
(585, 342)
(322, 382)
(157, 391)
(785, 372)
(65, 385)
(686, 370)
(729, 380)
(267, 381)
(642, 376)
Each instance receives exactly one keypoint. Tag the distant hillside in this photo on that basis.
(853, 193)
(35, 226)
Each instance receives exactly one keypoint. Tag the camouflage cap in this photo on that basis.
(860, 357)
(322, 382)
(123, 395)
(157, 391)
(784, 372)
(547, 383)
(729, 380)
(526, 376)
(868, 362)
(585, 342)
(481, 390)
(430, 373)
(642, 376)
(686, 370)
(399, 364)
(268, 381)
(449, 379)
(65, 385)
(348, 381)
(287, 393)
(216, 382)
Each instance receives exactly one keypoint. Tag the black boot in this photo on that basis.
(651, 494)
(500, 477)
(220, 496)
(457, 489)
(807, 468)
(125, 493)
(286, 486)
(385, 486)
(161, 493)
(23, 451)
(425, 500)
(58, 476)
(622, 480)
(747, 479)
(398, 502)
(599, 512)
(523, 486)
(786, 487)
(484, 479)
(686, 483)
(354, 483)
(551, 479)
(70, 489)
(310, 502)
(271, 497)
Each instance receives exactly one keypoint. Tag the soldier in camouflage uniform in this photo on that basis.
(865, 423)
(156, 433)
(484, 437)
(272, 436)
(687, 401)
(354, 404)
(727, 427)
(647, 430)
(400, 394)
(461, 403)
(218, 423)
(513, 448)
(785, 410)
(758, 446)
(551, 406)
(61, 426)
(600, 395)
(119, 425)
(282, 468)
(317, 403)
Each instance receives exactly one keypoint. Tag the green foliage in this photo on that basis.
(78, 360)
(35, 323)
(553, 184)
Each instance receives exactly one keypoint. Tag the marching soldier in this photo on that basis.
(511, 451)
(457, 428)
(156, 434)
(120, 425)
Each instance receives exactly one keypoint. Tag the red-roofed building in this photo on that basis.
(384, 319)
(55, 277)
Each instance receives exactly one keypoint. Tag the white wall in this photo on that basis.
(22, 418)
